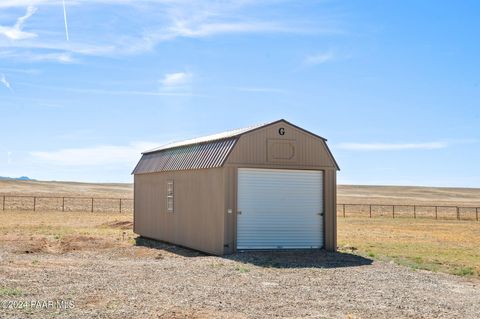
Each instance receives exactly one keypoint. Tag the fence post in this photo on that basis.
(458, 213)
(393, 211)
(436, 212)
(343, 210)
(370, 211)
(63, 204)
(34, 202)
(3, 202)
(120, 206)
(92, 205)
(414, 211)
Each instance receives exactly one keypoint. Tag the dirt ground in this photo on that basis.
(55, 265)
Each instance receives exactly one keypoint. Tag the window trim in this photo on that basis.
(170, 196)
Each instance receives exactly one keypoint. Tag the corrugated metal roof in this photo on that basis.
(209, 138)
(202, 152)
(201, 155)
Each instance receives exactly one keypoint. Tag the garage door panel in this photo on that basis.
(279, 209)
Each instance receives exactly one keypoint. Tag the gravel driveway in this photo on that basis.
(165, 281)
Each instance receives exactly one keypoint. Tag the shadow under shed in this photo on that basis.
(175, 249)
(295, 258)
(300, 259)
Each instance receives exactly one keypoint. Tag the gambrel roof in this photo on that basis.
(204, 152)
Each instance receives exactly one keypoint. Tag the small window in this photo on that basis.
(170, 200)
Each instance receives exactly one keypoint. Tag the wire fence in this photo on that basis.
(445, 212)
(66, 204)
(125, 205)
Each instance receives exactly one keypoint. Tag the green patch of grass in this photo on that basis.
(418, 259)
(464, 271)
(10, 292)
(35, 261)
(242, 269)
(370, 254)
(415, 263)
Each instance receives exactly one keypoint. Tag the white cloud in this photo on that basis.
(62, 57)
(21, 3)
(176, 79)
(392, 146)
(15, 32)
(5, 82)
(203, 29)
(153, 22)
(95, 156)
(319, 58)
(40, 47)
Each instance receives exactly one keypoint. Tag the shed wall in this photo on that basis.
(255, 150)
(330, 202)
(199, 201)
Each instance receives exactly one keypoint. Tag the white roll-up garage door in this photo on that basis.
(279, 209)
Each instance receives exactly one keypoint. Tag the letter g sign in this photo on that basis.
(281, 131)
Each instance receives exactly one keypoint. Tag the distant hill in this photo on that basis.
(21, 178)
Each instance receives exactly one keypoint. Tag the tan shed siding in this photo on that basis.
(252, 148)
(330, 209)
(199, 201)
(231, 203)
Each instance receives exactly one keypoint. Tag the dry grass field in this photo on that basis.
(406, 195)
(95, 260)
(59, 189)
(448, 246)
(65, 196)
(95, 263)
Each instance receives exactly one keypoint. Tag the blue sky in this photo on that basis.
(393, 85)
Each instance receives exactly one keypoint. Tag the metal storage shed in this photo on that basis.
(269, 186)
